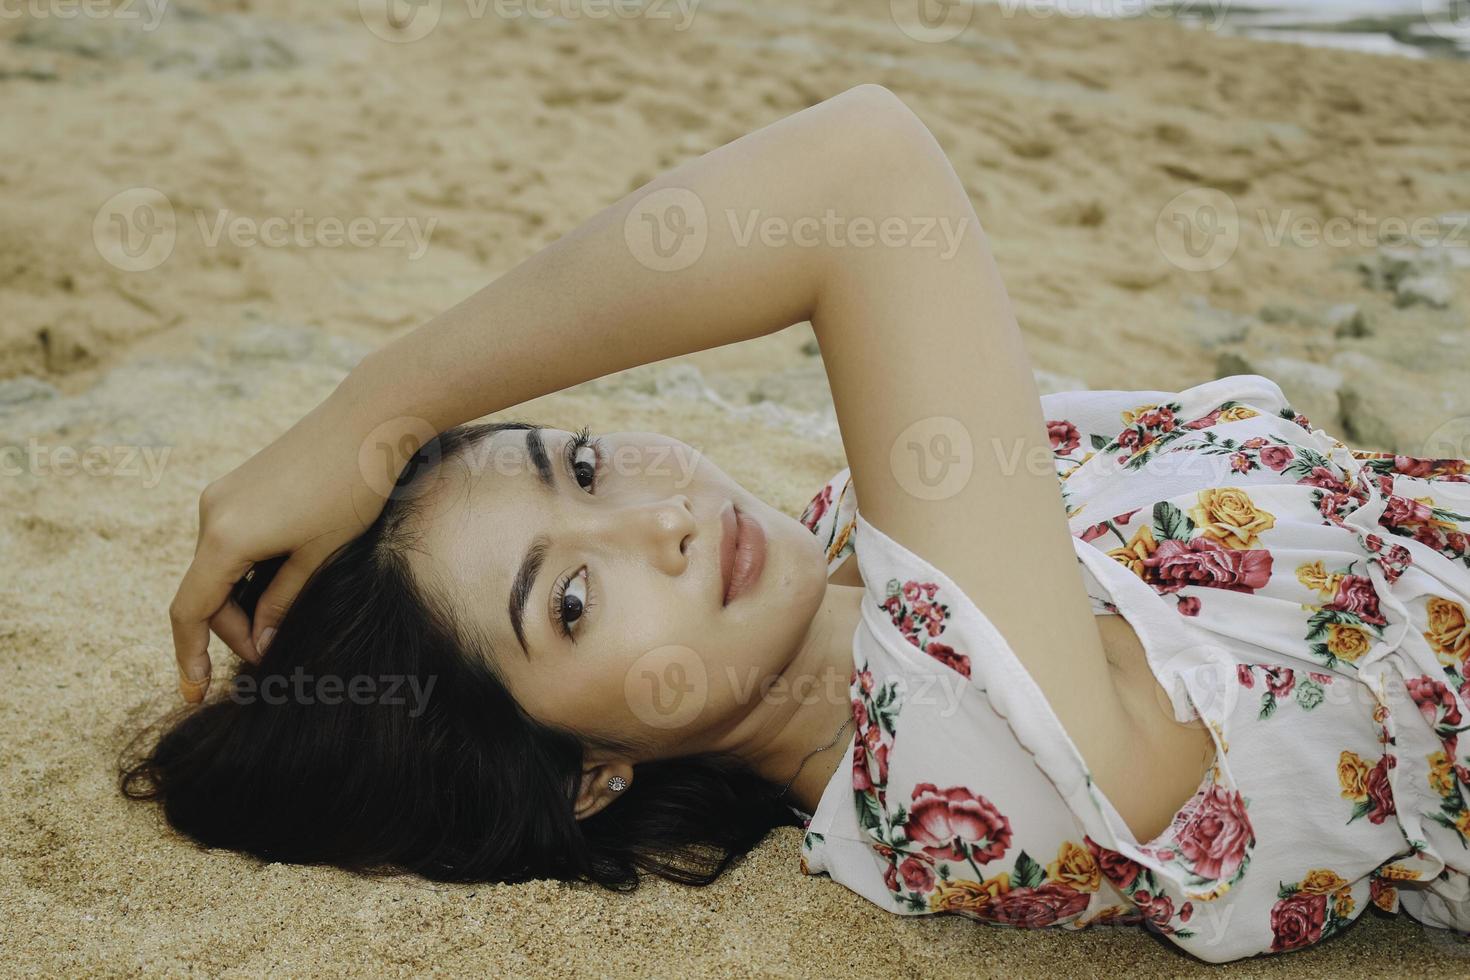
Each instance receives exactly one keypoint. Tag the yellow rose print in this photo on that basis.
(1343, 903)
(1322, 881)
(1142, 545)
(960, 895)
(1396, 872)
(1352, 773)
(1228, 515)
(1238, 414)
(1076, 867)
(1347, 642)
(1441, 775)
(1449, 630)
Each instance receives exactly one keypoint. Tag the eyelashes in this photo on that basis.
(580, 467)
(575, 587)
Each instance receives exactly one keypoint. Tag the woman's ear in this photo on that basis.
(602, 783)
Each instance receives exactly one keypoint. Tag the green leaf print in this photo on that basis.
(1027, 873)
(1171, 523)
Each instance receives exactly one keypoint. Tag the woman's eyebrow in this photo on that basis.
(525, 578)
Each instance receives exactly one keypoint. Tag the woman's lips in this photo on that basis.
(742, 553)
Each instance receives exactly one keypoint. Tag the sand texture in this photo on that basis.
(1072, 138)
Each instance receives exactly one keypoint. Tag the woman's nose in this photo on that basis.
(664, 529)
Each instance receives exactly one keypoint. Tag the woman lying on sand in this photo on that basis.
(1213, 687)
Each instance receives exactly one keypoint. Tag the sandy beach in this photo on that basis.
(209, 212)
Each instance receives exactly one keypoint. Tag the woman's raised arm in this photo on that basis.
(736, 244)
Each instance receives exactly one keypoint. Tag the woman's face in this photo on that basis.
(594, 577)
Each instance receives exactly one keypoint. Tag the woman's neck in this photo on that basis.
(808, 704)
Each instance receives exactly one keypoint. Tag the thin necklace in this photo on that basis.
(812, 753)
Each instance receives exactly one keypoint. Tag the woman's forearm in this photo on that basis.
(740, 254)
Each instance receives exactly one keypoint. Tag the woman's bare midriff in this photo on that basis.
(1172, 757)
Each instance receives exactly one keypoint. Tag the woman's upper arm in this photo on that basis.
(942, 423)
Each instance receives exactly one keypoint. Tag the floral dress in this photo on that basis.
(1307, 601)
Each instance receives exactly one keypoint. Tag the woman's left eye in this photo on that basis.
(582, 455)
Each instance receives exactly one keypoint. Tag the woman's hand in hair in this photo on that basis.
(303, 496)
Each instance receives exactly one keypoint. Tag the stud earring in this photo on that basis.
(617, 784)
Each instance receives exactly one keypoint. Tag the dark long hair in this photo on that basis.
(428, 764)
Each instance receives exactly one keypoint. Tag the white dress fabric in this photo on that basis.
(1306, 600)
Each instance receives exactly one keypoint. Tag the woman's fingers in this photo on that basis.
(288, 582)
(233, 626)
(205, 588)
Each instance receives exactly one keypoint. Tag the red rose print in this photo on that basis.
(1205, 422)
(817, 508)
(1244, 675)
(1158, 910)
(1032, 908)
(1121, 871)
(953, 824)
(1430, 535)
(1064, 436)
(1189, 605)
(1094, 532)
(1379, 793)
(1280, 680)
(862, 781)
(1297, 921)
(1216, 834)
(1204, 561)
(1399, 511)
(1411, 466)
(917, 875)
(1355, 594)
(948, 656)
(1277, 457)
(1255, 442)
(890, 877)
(1322, 477)
(1435, 701)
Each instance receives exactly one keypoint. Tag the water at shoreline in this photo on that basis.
(1408, 28)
